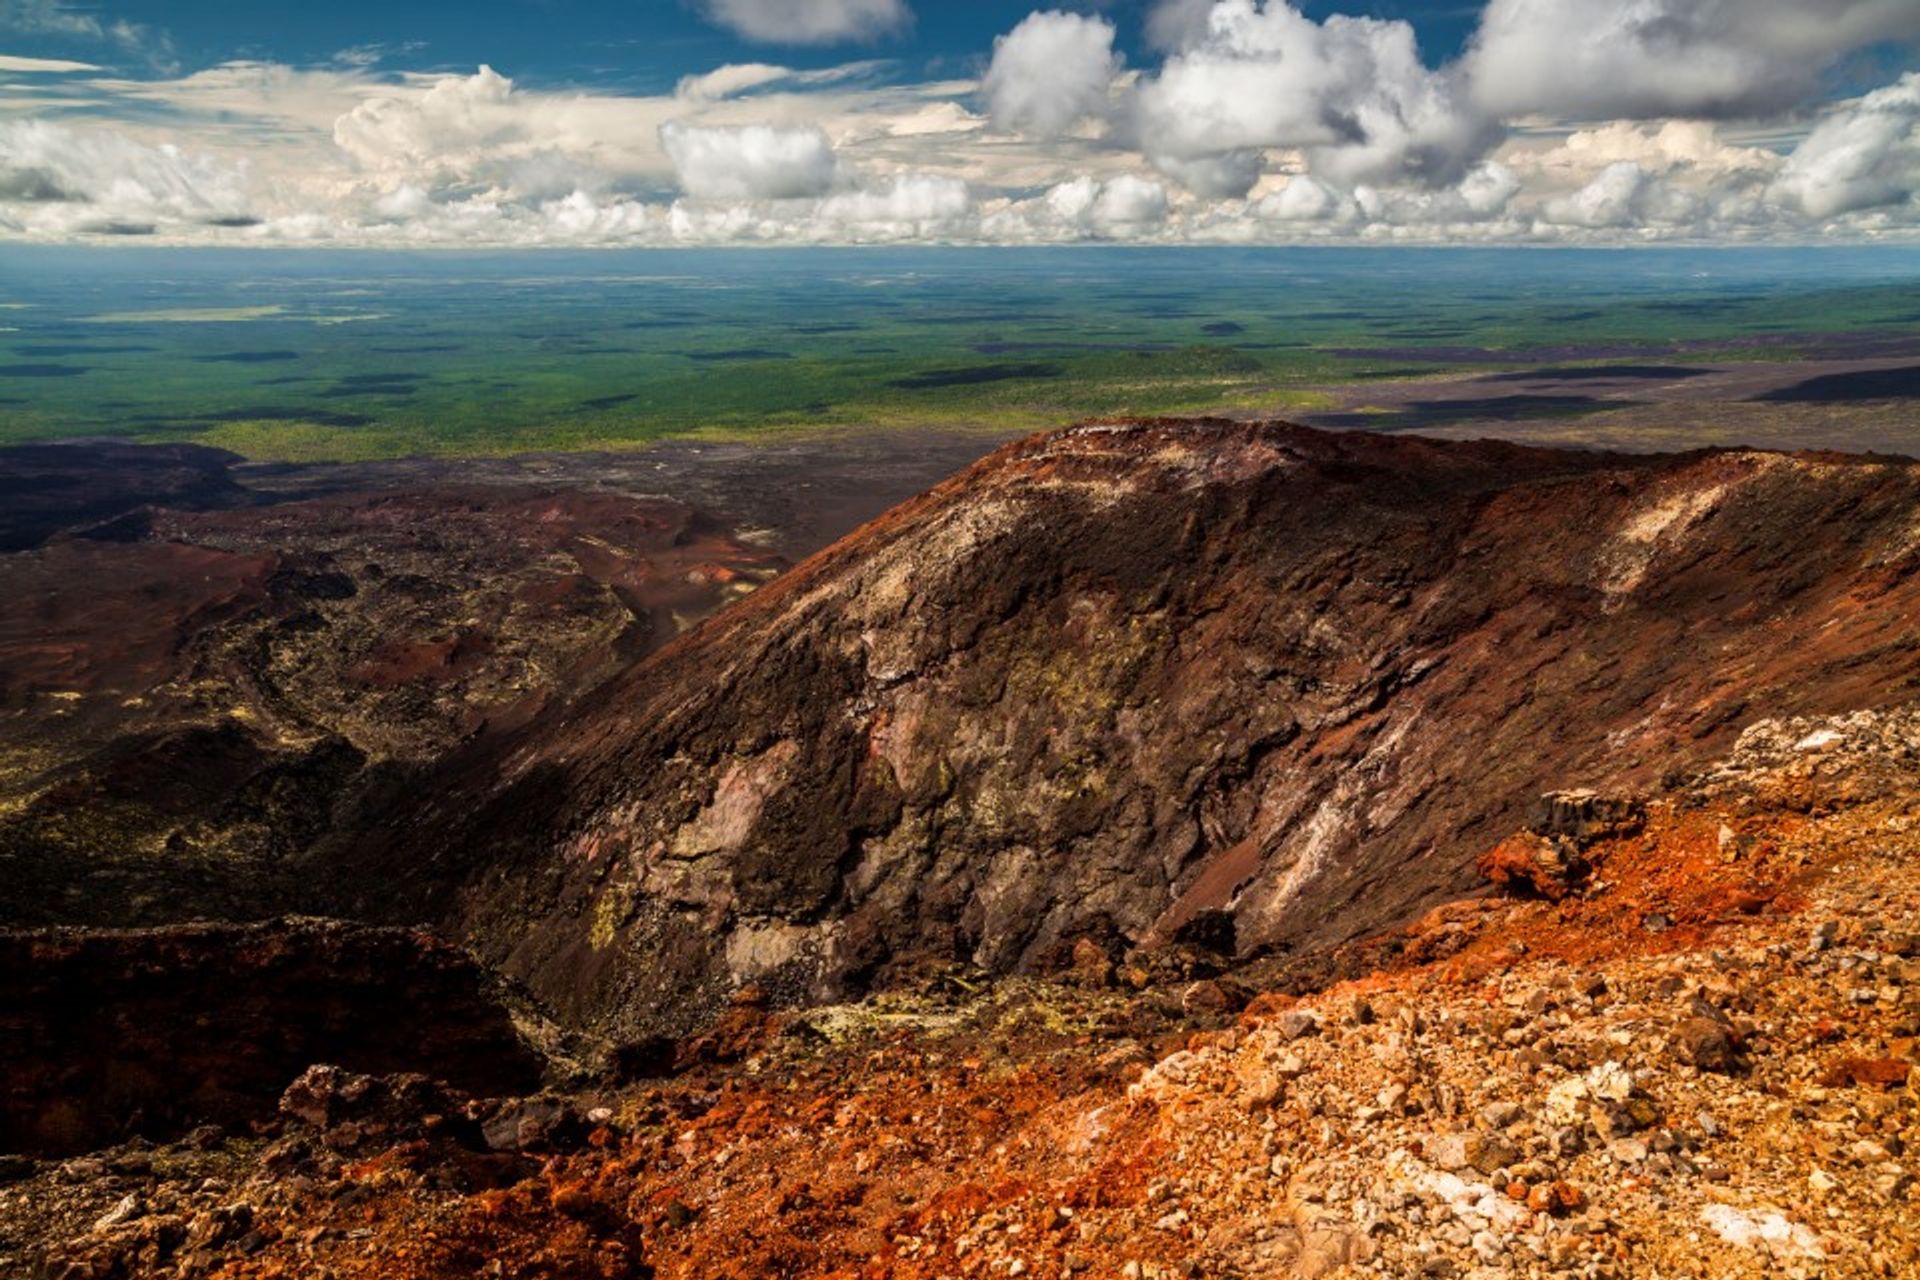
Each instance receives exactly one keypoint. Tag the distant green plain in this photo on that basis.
(315, 356)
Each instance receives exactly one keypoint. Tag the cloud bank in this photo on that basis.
(1669, 120)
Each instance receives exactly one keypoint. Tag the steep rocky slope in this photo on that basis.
(1700, 1062)
(205, 664)
(1122, 679)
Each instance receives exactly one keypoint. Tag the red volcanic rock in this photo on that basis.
(1872, 1073)
(1555, 1198)
(1531, 863)
(1116, 677)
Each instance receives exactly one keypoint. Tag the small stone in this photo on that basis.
(1611, 1082)
(1823, 935)
(1449, 1152)
(1729, 844)
(1555, 1198)
(1481, 1152)
(1892, 1185)
(1822, 1182)
(125, 1211)
(1500, 1115)
(1613, 1121)
(1566, 1101)
(206, 1137)
(1298, 1025)
(1207, 996)
(573, 1199)
(1706, 1044)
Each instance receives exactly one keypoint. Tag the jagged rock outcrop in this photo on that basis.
(1116, 676)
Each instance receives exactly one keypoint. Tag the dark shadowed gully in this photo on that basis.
(111, 1033)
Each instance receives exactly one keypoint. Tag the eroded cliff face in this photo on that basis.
(1112, 677)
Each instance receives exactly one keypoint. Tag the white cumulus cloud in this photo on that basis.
(458, 115)
(1352, 93)
(1607, 59)
(811, 21)
(1050, 72)
(1255, 124)
(1622, 195)
(58, 179)
(1304, 198)
(749, 162)
(1119, 207)
(1865, 156)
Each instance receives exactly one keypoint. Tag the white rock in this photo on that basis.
(127, 1210)
(1775, 1231)
(1566, 1101)
(1610, 1082)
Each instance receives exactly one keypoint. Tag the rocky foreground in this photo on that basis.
(1677, 1040)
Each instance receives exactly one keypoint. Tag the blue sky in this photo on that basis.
(636, 44)
(654, 122)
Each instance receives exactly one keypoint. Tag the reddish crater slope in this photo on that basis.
(1112, 677)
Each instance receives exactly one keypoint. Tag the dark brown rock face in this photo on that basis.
(1111, 678)
(109, 1033)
